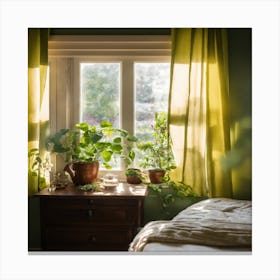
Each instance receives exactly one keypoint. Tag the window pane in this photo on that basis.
(152, 89)
(100, 93)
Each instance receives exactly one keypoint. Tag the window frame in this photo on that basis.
(67, 52)
(127, 90)
(127, 87)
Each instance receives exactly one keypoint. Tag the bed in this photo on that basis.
(215, 225)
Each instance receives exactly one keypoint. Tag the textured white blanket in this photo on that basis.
(214, 222)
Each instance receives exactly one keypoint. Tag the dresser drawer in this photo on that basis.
(101, 238)
(85, 203)
(84, 211)
(72, 220)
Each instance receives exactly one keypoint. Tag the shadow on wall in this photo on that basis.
(240, 89)
(239, 158)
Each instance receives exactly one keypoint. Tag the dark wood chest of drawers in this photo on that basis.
(106, 220)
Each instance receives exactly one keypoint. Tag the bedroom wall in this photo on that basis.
(240, 89)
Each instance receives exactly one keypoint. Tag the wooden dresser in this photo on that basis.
(106, 220)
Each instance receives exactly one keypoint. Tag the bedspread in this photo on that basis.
(214, 222)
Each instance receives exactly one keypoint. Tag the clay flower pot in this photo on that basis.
(156, 175)
(82, 173)
(133, 176)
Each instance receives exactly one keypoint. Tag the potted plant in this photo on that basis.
(157, 154)
(86, 147)
(134, 176)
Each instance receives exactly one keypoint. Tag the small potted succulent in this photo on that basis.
(157, 154)
(86, 147)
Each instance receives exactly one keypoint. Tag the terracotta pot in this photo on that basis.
(133, 179)
(156, 175)
(83, 173)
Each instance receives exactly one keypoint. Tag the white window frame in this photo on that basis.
(127, 89)
(67, 52)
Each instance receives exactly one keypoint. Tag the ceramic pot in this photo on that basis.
(82, 173)
(133, 179)
(156, 175)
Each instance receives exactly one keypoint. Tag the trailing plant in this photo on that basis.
(89, 187)
(174, 189)
(89, 143)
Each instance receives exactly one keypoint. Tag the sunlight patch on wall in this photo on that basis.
(33, 96)
(44, 108)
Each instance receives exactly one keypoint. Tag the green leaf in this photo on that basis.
(105, 124)
(89, 187)
(172, 167)
(116, 148)
(131, 155)
(122, 132)
(143, 146)
(117, 140)
(96, 137)
(107, 166)
(102, 145)
(82, 126)
(132, 138)
(106, 155)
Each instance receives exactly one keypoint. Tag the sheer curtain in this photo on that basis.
(38, 98)
(198, 113)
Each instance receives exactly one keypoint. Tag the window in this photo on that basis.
(100, 93)
(151, 95)
(123, 79)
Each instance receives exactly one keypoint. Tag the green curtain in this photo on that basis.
(38, 104)
(198, 109)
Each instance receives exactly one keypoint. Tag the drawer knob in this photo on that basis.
(92, 239)
(90, 201)
(90, 213)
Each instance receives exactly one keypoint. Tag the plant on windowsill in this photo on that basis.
(135, 176)
(86, 147)
(157, 154)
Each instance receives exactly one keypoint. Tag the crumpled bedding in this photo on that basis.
(221, 222)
